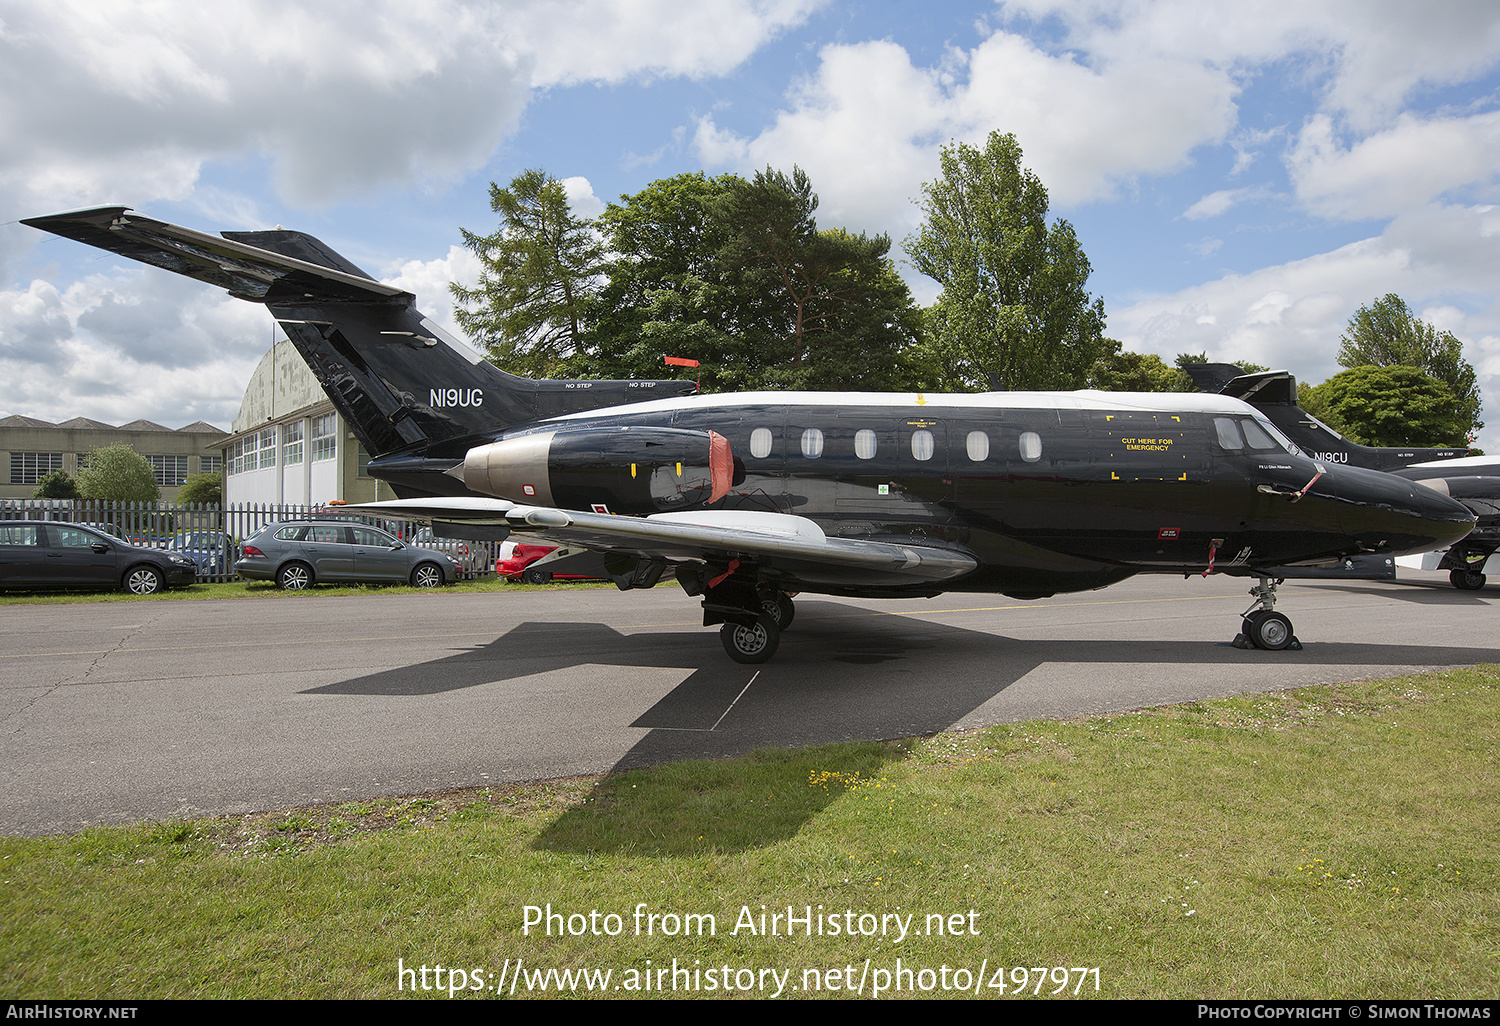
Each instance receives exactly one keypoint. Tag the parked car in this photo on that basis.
(470, 556)
(297, 554)
(213, 551)
(516, 559)
(51, 554)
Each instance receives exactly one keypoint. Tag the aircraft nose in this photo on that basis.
(1388, 513)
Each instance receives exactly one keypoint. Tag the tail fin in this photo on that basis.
(1274, 393)
(400, 381)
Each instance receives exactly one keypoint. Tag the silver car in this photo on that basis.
(472, 557)
(300, 553)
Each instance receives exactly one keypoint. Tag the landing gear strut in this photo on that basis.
(1262, 626)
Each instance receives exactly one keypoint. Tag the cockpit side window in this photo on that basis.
(1255, 437)
(1229, 434)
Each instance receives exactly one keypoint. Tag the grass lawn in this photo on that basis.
(1338, 841)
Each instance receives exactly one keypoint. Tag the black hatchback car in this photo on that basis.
(49, 554)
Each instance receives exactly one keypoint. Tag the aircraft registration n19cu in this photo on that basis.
(748, 499)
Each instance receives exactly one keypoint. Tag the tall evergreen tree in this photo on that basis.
(541, 270)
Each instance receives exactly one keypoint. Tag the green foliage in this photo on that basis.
(1387, 333)
(737, 275)
(1394, 405)
(1013, 312)
(117, 473)
(1125, 371)
(205, 489)
(540, 273)
(57, 485)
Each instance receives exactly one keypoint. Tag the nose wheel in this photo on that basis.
(1263, 627)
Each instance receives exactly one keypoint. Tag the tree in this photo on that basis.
(203, 489)
(1124, 371)
(541, 269)
(1387, 333)
(117, 473)
(1013, 307)
(1394, 405)
(737, 275)
(57, 485)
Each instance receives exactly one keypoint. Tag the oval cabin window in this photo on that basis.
(760, 443)
(1031, 446)
(978, 444)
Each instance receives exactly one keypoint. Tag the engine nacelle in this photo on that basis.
(619, 470)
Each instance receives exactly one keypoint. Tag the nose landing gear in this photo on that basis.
(1262, 626)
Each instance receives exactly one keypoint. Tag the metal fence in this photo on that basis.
(212, 535)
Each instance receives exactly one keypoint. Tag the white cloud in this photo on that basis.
(1402, 168)
(1291, 315)
(428, 280)
(581, 199)
(867, 125)
(104, 103)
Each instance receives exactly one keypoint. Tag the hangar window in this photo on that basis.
(1031, 446)
(864, 444)
(922, 445)
(978, 445)
(812, 443)
(760, 443)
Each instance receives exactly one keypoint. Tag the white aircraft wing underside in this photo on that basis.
(792, 544)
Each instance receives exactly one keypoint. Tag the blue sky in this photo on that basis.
(1242, 176)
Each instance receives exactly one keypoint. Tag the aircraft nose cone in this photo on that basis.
(1388, 513)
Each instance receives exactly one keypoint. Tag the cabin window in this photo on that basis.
(1031, 446)
(864, 444)
(978, 445)
(1229, 434)
(922, 445)
(760, 443)
(812, 443)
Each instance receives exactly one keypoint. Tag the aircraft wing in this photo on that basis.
(792, 545)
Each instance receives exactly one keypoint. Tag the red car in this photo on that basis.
(516, 559)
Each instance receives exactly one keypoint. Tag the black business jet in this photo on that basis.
(1472, 480)
(751, 498)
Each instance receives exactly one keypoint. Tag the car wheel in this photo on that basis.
(536, 577)
(1467, 580)
(751, 644)
(294, 577)
(143, 580)
(427, 575)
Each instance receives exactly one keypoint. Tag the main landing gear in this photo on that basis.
(753, 616)
(1263, 627)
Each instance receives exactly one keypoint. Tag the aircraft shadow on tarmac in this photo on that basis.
(841, 674)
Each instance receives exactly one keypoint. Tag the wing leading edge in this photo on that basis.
(791, 546)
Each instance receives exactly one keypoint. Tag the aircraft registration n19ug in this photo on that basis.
(748, 499)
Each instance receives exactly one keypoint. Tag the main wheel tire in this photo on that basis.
(143, 580)
(536, 576)
(779, 608)
(1466, 579)
(427, 575)
(294, 577)
(1270, 631)
(751, 644)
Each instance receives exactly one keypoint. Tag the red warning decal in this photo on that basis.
(1169, 533)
